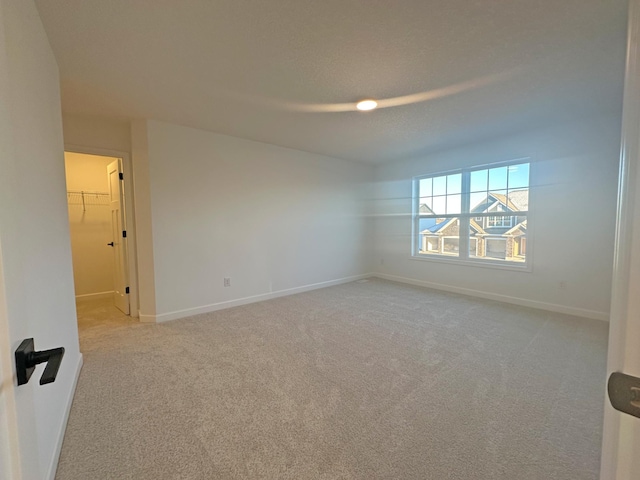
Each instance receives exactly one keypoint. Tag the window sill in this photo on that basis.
(497, 265)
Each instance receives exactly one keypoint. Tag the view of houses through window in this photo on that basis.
(477, 213)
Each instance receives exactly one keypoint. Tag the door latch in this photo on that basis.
(27, 359)
(624, 393)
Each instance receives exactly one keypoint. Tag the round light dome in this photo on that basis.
(365, 105)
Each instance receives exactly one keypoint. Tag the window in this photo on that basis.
(477, 214)
(494, 221)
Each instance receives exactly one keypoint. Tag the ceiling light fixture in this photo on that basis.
(365, 105)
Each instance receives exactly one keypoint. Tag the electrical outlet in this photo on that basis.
(227, 281)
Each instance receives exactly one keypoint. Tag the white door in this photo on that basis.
(118, 236)
(621, 438)
(37, 298)
(9, 444)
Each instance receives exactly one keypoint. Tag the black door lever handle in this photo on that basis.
(27, 359)
(110, 244)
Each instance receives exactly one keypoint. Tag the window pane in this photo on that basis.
(439, 205)
(495, 248)
(498, 201)
(425, 224)
(440, 186)
(508, 246)
(454, 203)
(519, 199)
(439, 236)
(451, 245)
(425, 187)
(498, 178)
(518, 176)
(478, 202)
(454, 183)
(426, 206)
(479, 181)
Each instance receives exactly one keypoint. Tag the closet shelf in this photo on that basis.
(87, 198)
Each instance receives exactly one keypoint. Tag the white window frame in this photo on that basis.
(465, 217)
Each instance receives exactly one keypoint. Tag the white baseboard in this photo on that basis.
(146, 318)
(524, 302)
(93, 296)
(165, 317)
(56, 456)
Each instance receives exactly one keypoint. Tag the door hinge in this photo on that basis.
(126, 290)
(124, 234)
(121, 175)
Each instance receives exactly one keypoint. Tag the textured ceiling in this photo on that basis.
(288, 72)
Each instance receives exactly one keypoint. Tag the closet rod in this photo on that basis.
(84, 193)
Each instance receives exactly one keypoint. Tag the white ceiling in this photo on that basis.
(280, 71)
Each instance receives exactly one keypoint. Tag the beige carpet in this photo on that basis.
(371, 380)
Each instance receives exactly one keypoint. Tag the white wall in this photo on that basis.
(96, 132)
(34, 239)
(573, 204)
(89, 223)
(270, 218)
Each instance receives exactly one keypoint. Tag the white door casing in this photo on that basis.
(129, 214)
(118, 229)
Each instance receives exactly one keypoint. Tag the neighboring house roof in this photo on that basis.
(426, 224)
(503, 200)
(424, 208)
(443, 225)
(439, 226)
(476, 226)
(518, 201)
(522, 226)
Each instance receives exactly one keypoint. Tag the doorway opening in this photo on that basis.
(99, 239)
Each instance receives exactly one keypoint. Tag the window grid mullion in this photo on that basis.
(464, 218)
(415, 242)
